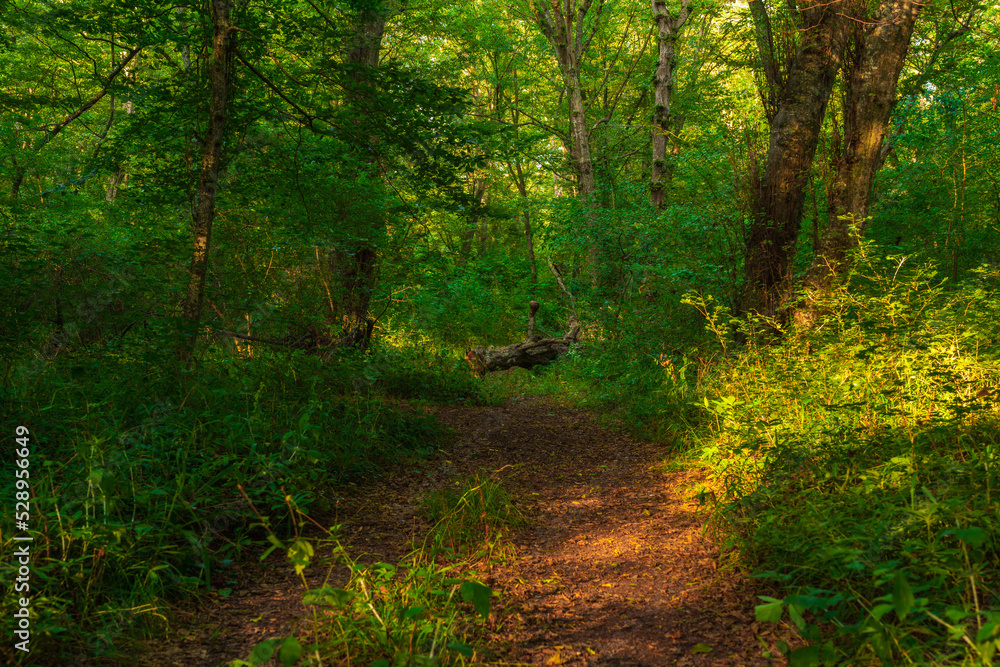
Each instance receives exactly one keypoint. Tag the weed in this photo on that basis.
(476, 515)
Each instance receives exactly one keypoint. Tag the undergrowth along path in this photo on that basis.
(614, 568)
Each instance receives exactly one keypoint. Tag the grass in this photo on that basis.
(429, 609)
(474, 516)
(136, 467)
(856, 466)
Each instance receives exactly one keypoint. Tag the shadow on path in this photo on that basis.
(614, 569)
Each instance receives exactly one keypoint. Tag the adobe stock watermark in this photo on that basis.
(22, 550)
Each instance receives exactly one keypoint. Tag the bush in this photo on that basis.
(857, 467)
(136, 467)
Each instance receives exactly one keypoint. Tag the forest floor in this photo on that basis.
(612, 568)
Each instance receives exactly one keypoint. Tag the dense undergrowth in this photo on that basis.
(853, 466)
(857, 468)
(854, 462)
(136, 468)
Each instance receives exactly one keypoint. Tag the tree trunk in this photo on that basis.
(583, 161)
(794, 134)
(768, 57)
(520, 181)
(210, 166)
(357, 268)
(562, 24)
(875, 58)
(563, 27)
(669, 29)
(534, 350)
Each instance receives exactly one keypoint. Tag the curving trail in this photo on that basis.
(613, 568)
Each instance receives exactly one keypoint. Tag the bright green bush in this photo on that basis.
(856, 466)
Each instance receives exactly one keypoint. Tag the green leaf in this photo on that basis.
(770, 612)
(974, 536)
(300, 553)
(381, 662)
(902, 596)
(414, 612)
(290, 652)
(828, 654)
(988, 631)
(263, 651)
(807, 656)
(461, 648)
(794, 612)
(880, 610)
(336, 597)
(478, 595)
(701, 648)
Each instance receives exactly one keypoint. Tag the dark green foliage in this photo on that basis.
(136, 474)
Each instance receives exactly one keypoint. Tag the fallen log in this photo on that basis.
(535, 350)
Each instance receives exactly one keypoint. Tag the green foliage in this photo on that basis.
(137, 498)
(474, 515)
(856, 465)
(417, 612)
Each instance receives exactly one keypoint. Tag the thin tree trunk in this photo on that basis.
(357, 268)
(514, 169)
(210, 167)
(562, 24)
(669, 29)
(768, 57)
(522, 188)
(478, 221)
(794, 134)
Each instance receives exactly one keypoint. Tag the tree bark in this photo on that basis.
(794, 134)
(356, 269)
(534, 350)
(210, 167)
(876, 53)
(669, 28)
(563, 25)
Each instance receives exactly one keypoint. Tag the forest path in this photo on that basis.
(612, 568)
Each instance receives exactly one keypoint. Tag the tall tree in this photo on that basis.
(219, 71)
(668, 27)
(356, 268)
(566, 29)
(874, 59)
(794, 134)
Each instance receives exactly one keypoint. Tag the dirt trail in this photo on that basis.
(612, 569)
